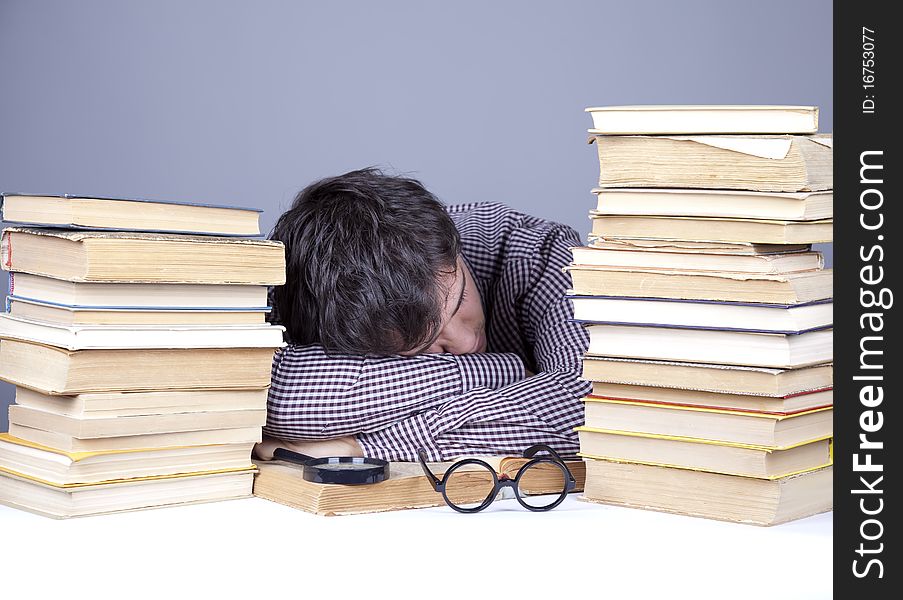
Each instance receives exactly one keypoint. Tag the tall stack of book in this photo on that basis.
(710, 317)
(136, 336)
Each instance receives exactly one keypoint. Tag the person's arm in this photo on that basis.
(542, 409)
(316, 396)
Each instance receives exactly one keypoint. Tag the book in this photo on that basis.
(694, 246)
(132, 404)
(703, 455)
(126, 257)
(713, 229)
(72, 468)
(406, 487)
(128, 214)
(763, 288)
(118, 426)
(755, 163)
(774, 350)
(737, 204)
(714, 424)
(61, 502)
(731, 379)
(78, 371)
(788, 403)
(34, 310)
(68, 443)
(778, 263)
(139, 296)
(710, 495)
(670, 119)
(705, 314)
(82, 337)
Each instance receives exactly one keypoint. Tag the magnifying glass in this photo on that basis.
(347, 470)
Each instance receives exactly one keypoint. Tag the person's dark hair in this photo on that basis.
(364, 252)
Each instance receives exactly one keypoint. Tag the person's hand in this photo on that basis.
(346, 446)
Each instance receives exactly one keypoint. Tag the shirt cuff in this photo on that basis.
(489, 370)
(401, 441)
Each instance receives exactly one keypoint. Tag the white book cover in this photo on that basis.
(89, 337)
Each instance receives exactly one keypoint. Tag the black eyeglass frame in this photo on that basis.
(505, 481)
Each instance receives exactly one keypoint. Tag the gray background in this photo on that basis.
(246, 102)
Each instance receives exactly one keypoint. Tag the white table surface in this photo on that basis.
(256, 548)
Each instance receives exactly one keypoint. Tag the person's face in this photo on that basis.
(463, 323)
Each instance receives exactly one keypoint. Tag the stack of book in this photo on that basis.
(710, 317)
(136, 336)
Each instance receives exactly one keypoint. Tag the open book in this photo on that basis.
(406, 487)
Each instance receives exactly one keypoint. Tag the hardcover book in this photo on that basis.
(61, 468)
(788, 403)
(128, 214)
(763, 288)
(776, 263)
(756, 163)
(713, 229)
(730, 379)
(711, 345)
(705, 314)
(714, 424)
(701, 118)
(703, 455)
(87, 371)
(136, 296)
(126, 257)
(735, 204)
(710, 495)
(62, 501)
(84, 337)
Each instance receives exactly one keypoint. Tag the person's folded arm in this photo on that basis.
(314, 395)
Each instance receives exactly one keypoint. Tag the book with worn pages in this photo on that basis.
(57, 467)
(788, 403)
(139, 369)
(710, 495)
(134, 404)
(128, 214)
(778, 262)
(730, 379)
(702, 118)
(137, 296)
(58, 314)
(143, 441)
(756, 163)
(704, 455)
(735, 204)
(713, 229)
(63, 501)
(714, 424)
(117, 426)
(406, 487)
(766, 288)
(127, 257)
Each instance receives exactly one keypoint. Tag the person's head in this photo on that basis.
(373, 266)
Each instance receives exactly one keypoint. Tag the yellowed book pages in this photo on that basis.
(142, 257)
(710, 495)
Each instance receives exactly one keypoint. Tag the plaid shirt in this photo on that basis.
(466, 404)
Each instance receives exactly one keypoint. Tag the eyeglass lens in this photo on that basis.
(541, 484)
(470, 486)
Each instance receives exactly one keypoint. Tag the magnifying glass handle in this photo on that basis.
(288, 455)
